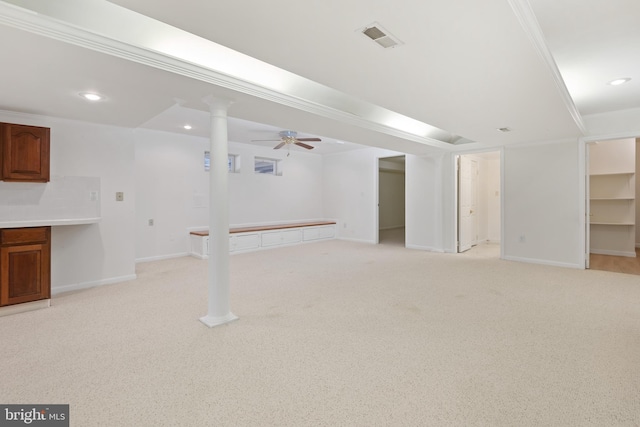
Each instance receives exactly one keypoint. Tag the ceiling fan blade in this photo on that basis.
(309, 139)
(308, 147)
(279, 145)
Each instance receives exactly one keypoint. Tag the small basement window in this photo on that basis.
(233, 162)
(267, 166)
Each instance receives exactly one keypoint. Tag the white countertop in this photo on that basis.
(48, 222)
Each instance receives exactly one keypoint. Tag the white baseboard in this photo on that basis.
(544, 262)
(350, 239)
(424, 248)
(161, 257)
(75, 287)
(614, 253)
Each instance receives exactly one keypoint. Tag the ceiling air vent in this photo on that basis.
(381, 36)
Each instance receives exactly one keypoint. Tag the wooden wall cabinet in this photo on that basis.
(24, 153)
(25, 265)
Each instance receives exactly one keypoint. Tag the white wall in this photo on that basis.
(101, 253)
(424, 203)
(542, 218)
(350, 192)
(63, 198)
(259, 198)
(614, 122)
(493, 199)
(173, 190)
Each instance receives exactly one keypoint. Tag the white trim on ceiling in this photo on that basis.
(523, 11)
(63, 20)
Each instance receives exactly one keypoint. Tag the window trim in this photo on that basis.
(276, 170)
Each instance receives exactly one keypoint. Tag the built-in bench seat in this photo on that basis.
(242, 239)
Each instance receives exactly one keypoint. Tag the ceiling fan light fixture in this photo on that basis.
(187, 127)
(620, 81)
(290, 137)
(288, 134)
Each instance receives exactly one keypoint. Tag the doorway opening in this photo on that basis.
(612, 236)
(478, 200)
(391, 200)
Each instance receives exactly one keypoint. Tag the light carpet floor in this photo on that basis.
(338, 333)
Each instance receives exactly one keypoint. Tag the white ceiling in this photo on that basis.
(594, 42)
(466, 67)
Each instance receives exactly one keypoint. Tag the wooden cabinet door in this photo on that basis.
(25, 153)
(25, 269)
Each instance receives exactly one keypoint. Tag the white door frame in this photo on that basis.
(587, 207)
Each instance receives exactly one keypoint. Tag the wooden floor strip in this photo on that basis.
(618, 264)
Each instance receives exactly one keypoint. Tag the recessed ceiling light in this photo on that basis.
(504, 129)
(91, 96)
(617, 82)
(187, 127)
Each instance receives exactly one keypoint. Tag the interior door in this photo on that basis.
(467, 204)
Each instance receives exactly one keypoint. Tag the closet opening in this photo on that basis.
(612, 237)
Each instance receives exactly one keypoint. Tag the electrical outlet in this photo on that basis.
(93, 196)
(523, 238)
(119, 196)
(151, 222)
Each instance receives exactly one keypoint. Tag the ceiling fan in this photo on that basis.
(289, 137)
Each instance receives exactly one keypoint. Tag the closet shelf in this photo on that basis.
(612, 223)
(612, 174)
(612, 198)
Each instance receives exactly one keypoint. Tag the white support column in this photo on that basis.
(218, 311)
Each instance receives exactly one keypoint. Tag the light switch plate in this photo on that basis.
(119, 196)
